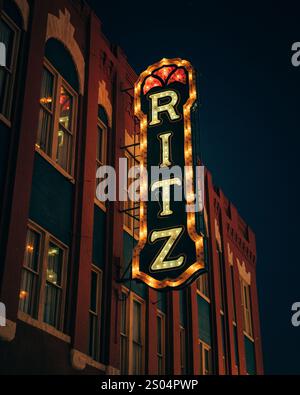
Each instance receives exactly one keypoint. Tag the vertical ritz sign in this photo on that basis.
(170, 251)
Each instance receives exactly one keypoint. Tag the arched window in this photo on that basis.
(10, 34)
(58, 107)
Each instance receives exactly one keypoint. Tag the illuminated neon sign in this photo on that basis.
(170, 251)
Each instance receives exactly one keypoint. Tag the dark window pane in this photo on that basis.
(27, 298)
(94, 296)
(32, 250)
(64, 146)
(44, 139)
(137, 322)
(7, 36)
(100, 145)
(94, 337)
(123, 314)
(52, 305)
(159, 335)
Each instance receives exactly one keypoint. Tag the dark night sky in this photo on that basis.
(249, 128)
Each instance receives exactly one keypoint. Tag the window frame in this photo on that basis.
(202, 348)
(14, 56)
(199, 283)
(101, 124)
(247, 311)
(130, 298)
(46, 239)
(97, 314)
(59, 82)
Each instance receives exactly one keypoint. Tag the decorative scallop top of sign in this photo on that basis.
(170, 251)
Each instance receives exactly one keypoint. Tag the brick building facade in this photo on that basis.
(66, 107)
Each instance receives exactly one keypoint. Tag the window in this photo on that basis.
(94, 313)
(101, 143)
(124, 333)
(246, 306)
(101, 150)
(182, 350)
(232, 293)
(133, 339)
(54, 285)
(161, 343)
(137, 340)
(205, 359)
(30, 273)
(202, 285)
(10, 37)
(43, 289)
(221, 278)
(57, 119)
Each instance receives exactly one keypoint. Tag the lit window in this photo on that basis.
(10, 37)
(246, 306)
(161, 343)
(94, 312)
(42, 290)
(202, 285)
(56, 130)
(205, 359)
(182, 350)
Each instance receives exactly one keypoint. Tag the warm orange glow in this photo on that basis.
(30, 248)
(23, 295)
(46, 100)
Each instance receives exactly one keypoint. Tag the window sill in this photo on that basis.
(43, 326)
(101, 205)
(55, 165)
(79, 361)
(4, 120)
(249, 336)
(130, 232)
(203, 296)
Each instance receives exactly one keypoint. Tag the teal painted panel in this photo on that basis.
(99, 237)
(162, 301)
(128, 245)
(51, 203)
(250, 356)
(204, 320)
